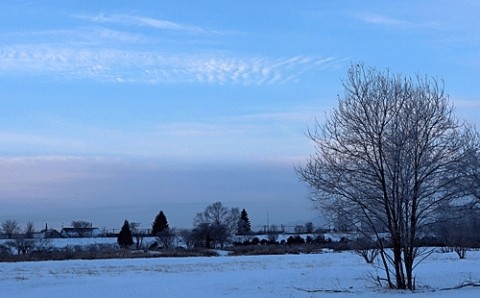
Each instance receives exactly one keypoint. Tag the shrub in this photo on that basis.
(295, 240)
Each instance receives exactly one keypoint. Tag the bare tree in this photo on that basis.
(309, 227)
(138, 234)
(82, 228)
(10, 227)
(458, 228)
(29, 230)
(166, 238)
(366, 248)
(43, 245)
(388, 155)
(202, 235)
(469, 173)
(217, 223)
(187, 237)
(22, 245)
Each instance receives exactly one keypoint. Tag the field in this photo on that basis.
(328, 274)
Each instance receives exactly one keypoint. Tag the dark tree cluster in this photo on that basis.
(215, 225)
(159, 224)
(124, 238)
(244, 226)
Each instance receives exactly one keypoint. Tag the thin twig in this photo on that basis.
(322, 290)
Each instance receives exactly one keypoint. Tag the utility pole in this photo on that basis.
(268, 224)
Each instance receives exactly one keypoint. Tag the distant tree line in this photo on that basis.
(215, 226)
(218, 226)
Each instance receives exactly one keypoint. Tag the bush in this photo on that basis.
(295, 240)
(320, 239)
(275, 249)
(154, 245)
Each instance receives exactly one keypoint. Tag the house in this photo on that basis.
(80, 232)
(48, 233)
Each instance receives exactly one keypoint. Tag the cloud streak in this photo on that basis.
(467, 104)
(377, 19)
(391, 22)
(155, 67)
(113, 49)
(142, 21)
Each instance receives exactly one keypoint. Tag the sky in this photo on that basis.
(117, 110)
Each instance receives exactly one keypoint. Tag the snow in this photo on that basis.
(62, 242)
(327, 274)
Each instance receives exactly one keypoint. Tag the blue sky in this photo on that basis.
(117, 110)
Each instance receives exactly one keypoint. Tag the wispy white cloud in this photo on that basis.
(393, 22)
(378, 19)
(85, 35)
(107, 34)
(120, 54)
(467, 104)
(142, 21)
(154, 67)
(30, 139)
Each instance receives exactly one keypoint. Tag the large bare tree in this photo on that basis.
(217, 223)
(388, 156)
(10, 227)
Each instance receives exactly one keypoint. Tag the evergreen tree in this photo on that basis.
(124, 238)
(159, 224)
(244, 226)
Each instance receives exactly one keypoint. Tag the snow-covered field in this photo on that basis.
(318, 275)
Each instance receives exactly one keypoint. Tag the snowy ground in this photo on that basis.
(321, 275)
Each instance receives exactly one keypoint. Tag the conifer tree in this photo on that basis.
(124, 238)
(244, 226)
(159, 224)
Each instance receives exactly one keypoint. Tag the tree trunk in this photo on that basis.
(387, 271)
(397, 262)
(409, 268)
